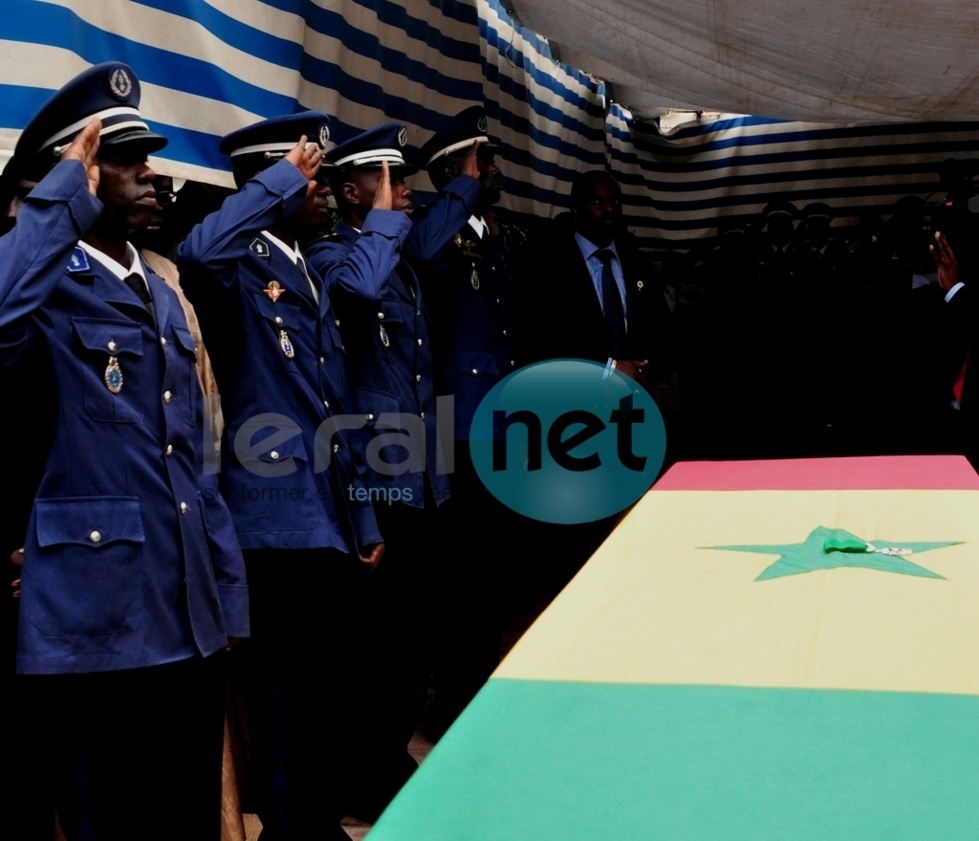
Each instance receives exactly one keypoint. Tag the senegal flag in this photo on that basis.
(761, 650)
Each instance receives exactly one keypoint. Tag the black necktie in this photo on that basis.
(138, 285)
(612, 306)
(301, 265)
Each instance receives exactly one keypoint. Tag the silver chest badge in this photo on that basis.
(286, 344)
(113, 375)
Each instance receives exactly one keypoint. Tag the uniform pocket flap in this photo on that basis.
(371, 404)
(110, 336)
(390, 314)
(271, 440)
(473, 364)
(89, 521)
(283, 314)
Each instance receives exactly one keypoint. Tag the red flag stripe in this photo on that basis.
(860, 473)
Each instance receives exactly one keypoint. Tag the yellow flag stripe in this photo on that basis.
(652, 607)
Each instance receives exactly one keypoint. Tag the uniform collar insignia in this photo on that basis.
(261, 248)
(78, 262)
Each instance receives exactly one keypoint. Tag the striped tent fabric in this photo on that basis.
(735, 663)
(551, 116)
(679, 185)
(210, 66)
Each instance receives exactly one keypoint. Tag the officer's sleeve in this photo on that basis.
(460, 199)
(226, 558)
(34, 255)
(217, 244)
(366, 531)
(350, 471)
(362, 269)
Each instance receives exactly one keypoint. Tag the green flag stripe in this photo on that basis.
(566, 761)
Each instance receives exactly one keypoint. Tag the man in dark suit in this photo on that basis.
(955, 280)
(591, 297)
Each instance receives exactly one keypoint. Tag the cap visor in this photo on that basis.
(149, 140)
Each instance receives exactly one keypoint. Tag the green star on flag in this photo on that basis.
(827, 548)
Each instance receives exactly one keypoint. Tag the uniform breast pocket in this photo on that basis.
(111, 352)
(394, 327)
(393, 442)
(472, 364)
(85, 576)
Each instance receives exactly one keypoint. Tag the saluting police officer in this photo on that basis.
(368, 265)
(467, 286)
(466, 282)
(287, 468)
(132, 578)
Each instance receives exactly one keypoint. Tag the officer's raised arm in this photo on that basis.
(459, 160)
(54, 215)
(85, 148)
(306, 157)
(262, 202)
(367, 175)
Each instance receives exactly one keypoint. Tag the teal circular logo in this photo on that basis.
(567, 441)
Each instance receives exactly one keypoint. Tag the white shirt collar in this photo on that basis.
(589, 249)
(120, 271)
(292, 253)
(478, 225)
(296, 256)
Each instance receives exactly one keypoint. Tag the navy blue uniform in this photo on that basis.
(290, 475)
(467, 288)
(278, 359)
(129, 558)
(370, 277)
(132, 574)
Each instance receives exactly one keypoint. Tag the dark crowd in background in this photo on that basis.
(790, 335)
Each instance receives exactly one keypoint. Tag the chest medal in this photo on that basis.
(113, 375)
(468, 246)
(286, 344)
(475, 279)
(274, 290)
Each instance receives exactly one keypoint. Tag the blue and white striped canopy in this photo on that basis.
(211, 66)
